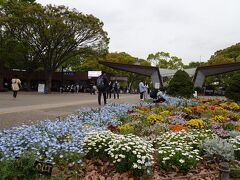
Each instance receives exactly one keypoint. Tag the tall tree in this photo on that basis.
(227, 55)
(232, 52)
(165, 60)
(54, 34)
(194, 64)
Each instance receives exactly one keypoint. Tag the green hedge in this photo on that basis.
(181, 85)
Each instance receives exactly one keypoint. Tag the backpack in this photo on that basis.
(100, 82)
(115, 86)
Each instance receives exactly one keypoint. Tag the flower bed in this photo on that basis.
(179, 135)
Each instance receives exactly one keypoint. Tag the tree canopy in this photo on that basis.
(165, 60)
(53, 34)
(227, 55)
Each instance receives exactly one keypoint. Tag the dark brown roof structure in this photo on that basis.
(199, 74)
(150, 71)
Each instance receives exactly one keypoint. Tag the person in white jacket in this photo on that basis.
(16, 84)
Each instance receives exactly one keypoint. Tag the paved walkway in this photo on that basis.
(30, 107)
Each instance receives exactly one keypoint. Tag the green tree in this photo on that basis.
(54, 34)
(232, 91)
(181, 85)
(228, 55)
(195, 64)
(232, 52)
(165, 60)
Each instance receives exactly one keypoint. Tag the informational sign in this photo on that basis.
(94, 74)
(41, 88)
(157, 85)
(69, 73)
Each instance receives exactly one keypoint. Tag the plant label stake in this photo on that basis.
(44, 168)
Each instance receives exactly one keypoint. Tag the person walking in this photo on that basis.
(116, 88)
(141, 89)
(94, 89)
(109, 90)
(102, 86)
(16, 84)
(77, 88)
(91, 87)
(145, 94)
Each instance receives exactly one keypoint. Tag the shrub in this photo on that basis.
(232, 91)
(181, 85)
(20, 168)
(219, 148)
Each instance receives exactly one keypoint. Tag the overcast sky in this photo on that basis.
(189, 29)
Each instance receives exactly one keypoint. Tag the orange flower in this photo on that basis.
(177, 127)
(144, 109)
(198, 109)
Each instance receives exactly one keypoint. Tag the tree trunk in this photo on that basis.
(29, 83)
(1, 82)
(48, 82)
(1, 75)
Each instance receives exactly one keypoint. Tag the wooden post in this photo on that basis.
(224, 171)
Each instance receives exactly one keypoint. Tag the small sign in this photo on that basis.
(94, 74)
(157, 85)
(44, 168)
(41, 88)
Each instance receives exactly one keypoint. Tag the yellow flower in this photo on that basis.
(196, 123)
(224, 105)
(165, 113)
(125, 128)
(237, 128)
(234, 106)
(187, 110)
(152, 118)
(218, 118)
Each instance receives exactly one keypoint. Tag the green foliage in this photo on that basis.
(53, 34)
(228, 55)
(180, 85)
(164, 60)
(232, 91)
(231, 53)
(195, 64)
(229, 126)
(22, 168)
(219, 148)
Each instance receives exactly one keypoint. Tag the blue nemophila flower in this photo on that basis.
(48, 138)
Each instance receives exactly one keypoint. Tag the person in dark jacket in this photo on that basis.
(116, 89)
(109, 91)
(102, 85)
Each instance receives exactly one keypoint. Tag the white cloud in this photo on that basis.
(184, 28)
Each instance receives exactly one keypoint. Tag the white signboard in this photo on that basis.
(94, 74)
(157, 85)
(195, 94)
(41, 88)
